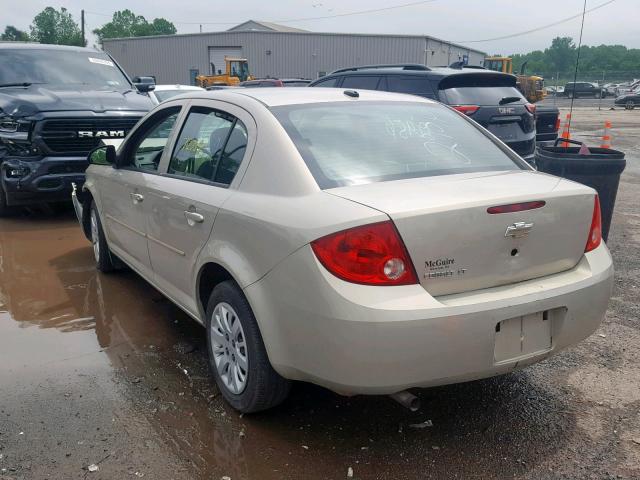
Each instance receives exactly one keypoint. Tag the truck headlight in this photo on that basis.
(14, 129)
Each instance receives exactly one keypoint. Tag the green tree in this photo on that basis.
(562, 53)
(125, 23)
(12, 34)
(56, 27)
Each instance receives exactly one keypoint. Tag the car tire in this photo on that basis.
(101, 252)
(237, 355)
(630, 105)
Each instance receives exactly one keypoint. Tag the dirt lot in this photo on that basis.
(100, 369)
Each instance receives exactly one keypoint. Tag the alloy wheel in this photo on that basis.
(229, 348)
(95, 235)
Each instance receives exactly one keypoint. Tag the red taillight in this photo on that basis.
(531, 108)
(516, 207)
(467, 109)
(558, 123)
(371, 254)
(595, 232)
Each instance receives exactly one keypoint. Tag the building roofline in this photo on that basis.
(266, 32)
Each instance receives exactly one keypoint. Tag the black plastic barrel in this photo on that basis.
(600, 169)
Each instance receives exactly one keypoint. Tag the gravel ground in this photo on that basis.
(101, 370)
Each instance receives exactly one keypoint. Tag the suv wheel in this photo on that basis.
(237, 356)
(101, 253)
(630, 105)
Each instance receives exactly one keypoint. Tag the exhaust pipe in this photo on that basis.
(407, 400)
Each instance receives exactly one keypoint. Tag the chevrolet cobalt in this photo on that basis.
(368, 242)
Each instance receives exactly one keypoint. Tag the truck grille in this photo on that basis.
(61, 135)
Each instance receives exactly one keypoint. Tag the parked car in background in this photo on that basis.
(627, 87)
(398, 245)
(276, 82)
(56, 104)
(629, 100)
(610, 89)
(164, 92)
(583, 89)
(490, 98)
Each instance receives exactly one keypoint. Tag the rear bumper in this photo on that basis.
(357, 339)
(41, 180)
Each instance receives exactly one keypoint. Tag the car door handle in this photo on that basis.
(136, 197)
(193, 217)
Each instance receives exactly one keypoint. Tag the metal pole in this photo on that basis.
(601, 90)
(575, 73)
(84, 40)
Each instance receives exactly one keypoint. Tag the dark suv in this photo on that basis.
(56, 104)
(490, 98)
(583, 89)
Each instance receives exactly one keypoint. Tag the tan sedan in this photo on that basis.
(365, 241)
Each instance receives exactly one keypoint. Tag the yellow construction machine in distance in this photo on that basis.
(531, 86)
(236, 71)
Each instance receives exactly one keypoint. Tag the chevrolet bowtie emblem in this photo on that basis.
(518, 229)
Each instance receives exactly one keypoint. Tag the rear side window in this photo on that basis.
(355, 143)
(413, 85)
(366, 82)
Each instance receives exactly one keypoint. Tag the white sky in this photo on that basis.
(455, 20)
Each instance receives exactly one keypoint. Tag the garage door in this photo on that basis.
(217, 54)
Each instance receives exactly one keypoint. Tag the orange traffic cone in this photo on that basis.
(565, 131)
(606, 138)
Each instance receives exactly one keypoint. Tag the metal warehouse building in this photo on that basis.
(277, 51)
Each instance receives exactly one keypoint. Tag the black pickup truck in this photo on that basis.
(56, 104)
(547, 123)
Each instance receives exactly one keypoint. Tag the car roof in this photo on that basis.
(432, 72)
(43, 46)
(163, 87)
(276, 96)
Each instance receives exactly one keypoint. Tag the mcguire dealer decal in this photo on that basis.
(442, 268)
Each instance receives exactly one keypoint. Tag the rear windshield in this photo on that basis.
(60, 67)
(482, 96)
(349, 143)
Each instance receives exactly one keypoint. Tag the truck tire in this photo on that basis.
(4, 209)
(237, 355)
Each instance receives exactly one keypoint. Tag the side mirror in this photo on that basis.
(104, 155)
(144, 84)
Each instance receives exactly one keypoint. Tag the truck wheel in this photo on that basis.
(101, 252)
(4, 209)
(237, 356)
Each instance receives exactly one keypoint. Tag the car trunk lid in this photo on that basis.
(457, 246)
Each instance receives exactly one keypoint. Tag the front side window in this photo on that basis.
(210, 147)
(356, 143)
(148, 150)
(328, 83)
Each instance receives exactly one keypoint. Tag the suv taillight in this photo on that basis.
(595, 232)
(370, 254)
(467, 109)
(531, 108)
